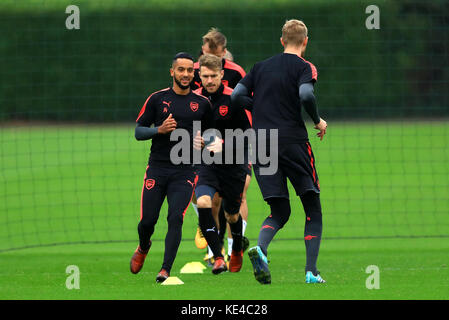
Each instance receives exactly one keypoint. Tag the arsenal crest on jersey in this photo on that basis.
(194, 106)
(223, 110)
(149, 183)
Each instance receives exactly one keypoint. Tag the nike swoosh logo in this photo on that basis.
(190, 182)
(210, 230)
(267, 226)
(309, 237)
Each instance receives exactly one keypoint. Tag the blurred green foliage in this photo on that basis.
(123, 50)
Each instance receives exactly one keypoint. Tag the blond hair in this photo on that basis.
(294, 32)
(215, 39)
(210, 61)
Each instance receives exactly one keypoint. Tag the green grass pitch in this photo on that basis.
(69, 195)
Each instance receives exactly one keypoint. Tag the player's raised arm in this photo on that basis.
(308, 101)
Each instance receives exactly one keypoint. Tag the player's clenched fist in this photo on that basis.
(216, 145)
(167, 126)
(198, 141)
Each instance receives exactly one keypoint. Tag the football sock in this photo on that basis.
(236, 231)
(209, 229)
(222, 222)
(244, 223)
(230, 241)
(313, 228)
(280, 213)
(209, 251)
(144, 236)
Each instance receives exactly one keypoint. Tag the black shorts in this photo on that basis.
(227, 180)
(297, 163)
